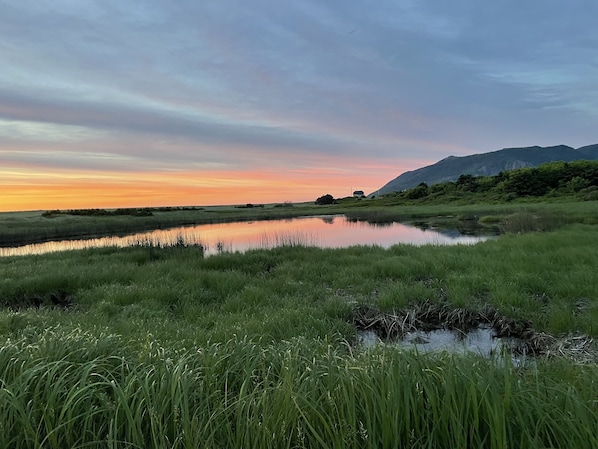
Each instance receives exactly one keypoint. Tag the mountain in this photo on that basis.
(487, 164)
(591, 151)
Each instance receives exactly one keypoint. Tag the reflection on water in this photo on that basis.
(479, 341)
(323, 231)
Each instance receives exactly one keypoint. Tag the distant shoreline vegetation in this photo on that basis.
(135, 212)
(577, 179)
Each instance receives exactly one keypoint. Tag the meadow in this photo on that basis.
(149, 347)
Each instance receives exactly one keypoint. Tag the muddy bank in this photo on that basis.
(57, 299)
(428, 316)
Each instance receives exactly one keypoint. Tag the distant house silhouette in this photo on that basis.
(358, 194)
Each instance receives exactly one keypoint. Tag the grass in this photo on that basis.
(548, 278)
(79, 389)
(166, 348)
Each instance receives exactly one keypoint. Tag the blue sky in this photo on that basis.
(329, 94)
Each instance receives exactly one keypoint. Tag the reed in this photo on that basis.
(297, 393)
(20, 228)
(287, 239)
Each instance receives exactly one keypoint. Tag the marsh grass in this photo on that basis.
(287, 239)
(298, 393)
(166, 348)
(525, 221)
(154, 240)
(20, 228)
(547, 278)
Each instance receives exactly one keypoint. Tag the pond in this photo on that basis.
(326, 231)
(481, 341)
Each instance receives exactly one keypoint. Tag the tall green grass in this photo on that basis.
(75, 389)
(165, 348)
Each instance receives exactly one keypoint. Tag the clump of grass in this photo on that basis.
(374, 216)
(526, 221)
(288, 239)
(490, 219)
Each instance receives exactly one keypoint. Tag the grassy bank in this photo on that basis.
(19, 228)
(161, 347)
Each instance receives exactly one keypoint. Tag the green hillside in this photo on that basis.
(487, 164)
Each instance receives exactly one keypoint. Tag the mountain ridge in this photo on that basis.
(487, 164)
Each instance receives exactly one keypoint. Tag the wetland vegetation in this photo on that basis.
(162, 347)
(152, 347)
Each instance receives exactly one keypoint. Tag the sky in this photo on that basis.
(130, 103)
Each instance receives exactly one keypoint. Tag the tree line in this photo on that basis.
(553, 179)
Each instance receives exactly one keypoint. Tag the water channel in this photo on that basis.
(326, 231)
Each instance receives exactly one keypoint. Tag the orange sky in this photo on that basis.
(28, 188)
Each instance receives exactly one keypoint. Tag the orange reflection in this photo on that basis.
(322, 231)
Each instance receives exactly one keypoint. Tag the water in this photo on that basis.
(479, 341)
(322, 231)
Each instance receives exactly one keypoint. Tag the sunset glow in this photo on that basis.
(32, 190)
(112, 104)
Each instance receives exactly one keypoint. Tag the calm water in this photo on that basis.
(479, 341)
(321, 231)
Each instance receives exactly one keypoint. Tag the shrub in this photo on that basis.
(325, 199)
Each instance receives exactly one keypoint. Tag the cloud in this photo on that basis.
(168, 85)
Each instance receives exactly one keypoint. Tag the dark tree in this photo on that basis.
(468, 183)
(420, 191)
(326, 199)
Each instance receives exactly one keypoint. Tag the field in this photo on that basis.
(162, 347)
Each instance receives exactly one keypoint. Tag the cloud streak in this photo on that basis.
(161, 87)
